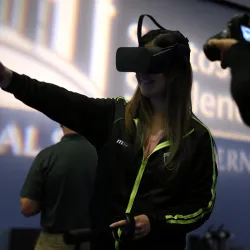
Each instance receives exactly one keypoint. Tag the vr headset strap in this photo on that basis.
(139, 27)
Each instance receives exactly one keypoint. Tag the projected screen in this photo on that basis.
(73, 44)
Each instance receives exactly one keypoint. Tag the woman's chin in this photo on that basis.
(147, 94)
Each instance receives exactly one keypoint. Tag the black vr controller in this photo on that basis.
(150, 59)
(126, 232)
(238, 28)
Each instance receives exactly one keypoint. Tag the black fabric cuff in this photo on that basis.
(12, 85)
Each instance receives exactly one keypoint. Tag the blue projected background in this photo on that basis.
(72, 44)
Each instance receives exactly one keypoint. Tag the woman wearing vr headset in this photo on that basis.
(157, 173)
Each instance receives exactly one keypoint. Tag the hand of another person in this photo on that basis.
(222, 44)
(142, 226)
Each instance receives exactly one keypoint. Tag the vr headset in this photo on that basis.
(155, 59)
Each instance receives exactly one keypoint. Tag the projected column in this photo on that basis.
(44, 8)
(103, 15)
(14, 13)
(64, 27)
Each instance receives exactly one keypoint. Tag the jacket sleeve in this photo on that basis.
(238, 59)
(90, 117)
(196, 208)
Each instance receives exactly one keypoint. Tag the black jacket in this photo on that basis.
(238, 59)
(177, 200)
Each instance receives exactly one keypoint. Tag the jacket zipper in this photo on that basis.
(140, 174)
(138, 181)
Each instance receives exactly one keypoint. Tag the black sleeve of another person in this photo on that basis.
(238, 59)
(33, 185)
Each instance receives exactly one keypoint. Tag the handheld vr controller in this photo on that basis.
(237, 28)
(152, 59)
(127, 232)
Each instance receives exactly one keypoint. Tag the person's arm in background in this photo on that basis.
(32, 190)
(236, 56)
(87, 116)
